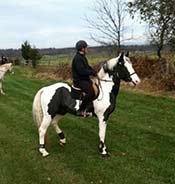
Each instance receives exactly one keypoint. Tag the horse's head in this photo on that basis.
(121, 68)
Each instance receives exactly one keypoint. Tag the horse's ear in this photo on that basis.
(120, 61)
(127, 54)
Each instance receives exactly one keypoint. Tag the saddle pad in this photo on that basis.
(76, 93)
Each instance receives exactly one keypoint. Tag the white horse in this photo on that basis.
(3, 70)
(51, 103)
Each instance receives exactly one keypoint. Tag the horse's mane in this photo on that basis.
(110, 64)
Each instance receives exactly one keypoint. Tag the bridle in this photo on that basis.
(105, 80)
(131, 79)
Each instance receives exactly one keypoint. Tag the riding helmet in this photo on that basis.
(80, 45)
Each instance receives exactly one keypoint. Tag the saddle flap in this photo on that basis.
(76, 93)
(96, 90)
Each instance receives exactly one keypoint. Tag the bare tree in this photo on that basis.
(108, 22)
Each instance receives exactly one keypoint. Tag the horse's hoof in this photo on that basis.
(43, 152)
(62, 144)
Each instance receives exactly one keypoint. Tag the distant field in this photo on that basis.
(140, 137)
(57, 59)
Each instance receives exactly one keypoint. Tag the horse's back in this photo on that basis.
(49, 91)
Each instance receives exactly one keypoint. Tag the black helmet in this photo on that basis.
(80, 45)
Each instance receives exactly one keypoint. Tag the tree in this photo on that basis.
(30, 53)
(108, 22)
(159, 14)
(25, 50)
(34, 56)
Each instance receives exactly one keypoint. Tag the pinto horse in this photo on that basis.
(51, 103)
(3, 70)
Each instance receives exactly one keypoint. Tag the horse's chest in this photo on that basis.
(104, 100)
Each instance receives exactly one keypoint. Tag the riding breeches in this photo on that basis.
(86, 86)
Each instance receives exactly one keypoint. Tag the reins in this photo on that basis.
(105, 80)
(99, 84)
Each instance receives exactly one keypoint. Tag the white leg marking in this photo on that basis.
(42, 131)
(102, 133)
(57, 128)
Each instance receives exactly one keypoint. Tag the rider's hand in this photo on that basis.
(94, 73)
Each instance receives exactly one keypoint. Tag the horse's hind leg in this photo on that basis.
(42, 132)
(58, 130)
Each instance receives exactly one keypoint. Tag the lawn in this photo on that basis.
(140, 137)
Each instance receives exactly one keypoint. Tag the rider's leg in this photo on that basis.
(86, 86)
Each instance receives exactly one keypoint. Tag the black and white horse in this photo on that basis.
(52, 102)
(8, 67)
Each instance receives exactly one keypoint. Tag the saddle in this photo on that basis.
(78, 94)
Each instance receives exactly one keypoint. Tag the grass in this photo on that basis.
(140, 137)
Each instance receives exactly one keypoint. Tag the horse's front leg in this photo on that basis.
(1, 91)
(102, 133)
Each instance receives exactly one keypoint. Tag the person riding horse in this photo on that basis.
(81, 72)
(3, 60)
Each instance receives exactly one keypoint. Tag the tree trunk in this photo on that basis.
(159, 52)
(34, 63)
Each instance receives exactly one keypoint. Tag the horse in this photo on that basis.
(52, 102)
(8, 67)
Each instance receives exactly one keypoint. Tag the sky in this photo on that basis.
(51, 23)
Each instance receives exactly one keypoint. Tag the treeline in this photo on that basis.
(70, 51)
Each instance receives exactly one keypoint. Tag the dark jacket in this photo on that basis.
(81, 69)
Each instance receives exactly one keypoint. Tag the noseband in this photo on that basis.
(131, 79)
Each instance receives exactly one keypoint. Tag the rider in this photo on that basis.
(3, 60)
(81, 72)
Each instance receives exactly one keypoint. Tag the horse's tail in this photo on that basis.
(37, 109)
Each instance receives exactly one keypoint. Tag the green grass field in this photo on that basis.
(140, 137)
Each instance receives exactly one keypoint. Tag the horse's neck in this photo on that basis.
(104, 76)
(4, 68)
(108, 83)
(101, 73)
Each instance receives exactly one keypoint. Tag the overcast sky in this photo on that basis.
(49, 23)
